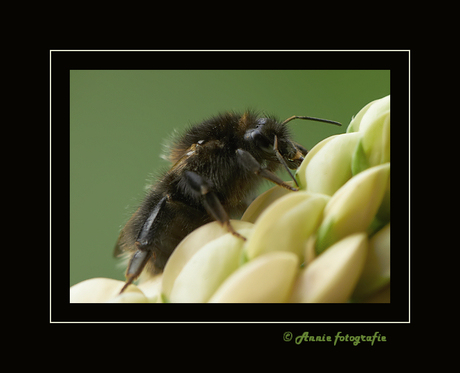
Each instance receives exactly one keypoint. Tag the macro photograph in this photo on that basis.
(231, 185)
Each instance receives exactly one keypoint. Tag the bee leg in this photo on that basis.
(144, 247)
(210, 201)
(283, 162)
(251, 164)
(135, 267)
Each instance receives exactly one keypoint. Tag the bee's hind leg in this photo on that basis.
(144, 246)
(135, 267)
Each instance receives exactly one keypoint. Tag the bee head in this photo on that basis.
(271, 137)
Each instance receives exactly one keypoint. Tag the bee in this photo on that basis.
(216, 166)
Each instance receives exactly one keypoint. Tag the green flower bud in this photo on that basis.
(353, 207)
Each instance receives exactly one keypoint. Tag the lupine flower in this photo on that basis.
(266, 279)
(328, 242)
(214, 262)
(186, 259)
(330, 167)
(376, 272)
(332, 277)
(353, 207)
(101, 290)
(373, 123)
(292, 231)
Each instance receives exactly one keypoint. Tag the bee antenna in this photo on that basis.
(312, 118)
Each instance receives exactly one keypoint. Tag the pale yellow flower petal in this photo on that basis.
(368, 114)
(265, 279)
(332, 276)
(375, 111)
(376, 140)
(353, 207)
(259, 205)
(356, 120)
(301, 171)
(376, 272)
(99, 290)
(206, 270)
(287, 224)
(129, 297)
(374, 146)
(330, 168)
(190, 245)
(151, 287)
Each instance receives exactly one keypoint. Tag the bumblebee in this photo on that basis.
(217, 166)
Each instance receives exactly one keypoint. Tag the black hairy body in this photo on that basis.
(216, 166)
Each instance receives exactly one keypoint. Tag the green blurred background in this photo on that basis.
(119, 120)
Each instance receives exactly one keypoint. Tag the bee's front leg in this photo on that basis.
(250, 163)
(210, 201)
